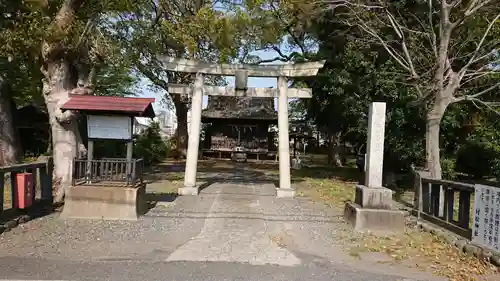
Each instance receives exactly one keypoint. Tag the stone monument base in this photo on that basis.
(104, 202)
(188, 190)
(285, 193)
(373, 197)
(383, 221)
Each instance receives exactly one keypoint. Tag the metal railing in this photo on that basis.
(42, 182)
(445, 203)
(117, 170)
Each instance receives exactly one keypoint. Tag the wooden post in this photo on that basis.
(2, 180)
(13, 189)
(34, 173)
(294, 146)
(46, 181)
(129, 161)
(90, 157)
(134, 169)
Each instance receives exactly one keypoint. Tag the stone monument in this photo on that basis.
(372, 207)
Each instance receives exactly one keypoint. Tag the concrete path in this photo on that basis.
(231, 231)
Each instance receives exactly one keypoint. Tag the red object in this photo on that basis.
(117, 105)
(25, 191)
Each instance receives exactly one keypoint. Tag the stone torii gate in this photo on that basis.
(241, 72)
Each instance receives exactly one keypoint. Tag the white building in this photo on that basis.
(140, 125)
(168, 122)
(166, 119)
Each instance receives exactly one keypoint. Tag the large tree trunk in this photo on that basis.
(181, 111)
(62, 75)
(432, 148)
(60, 80)
(10, 150)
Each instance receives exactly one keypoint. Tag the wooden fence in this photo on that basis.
(114, 171)
(445, 203)
(42, 181)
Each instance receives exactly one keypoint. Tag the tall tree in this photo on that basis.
(207, 30)
(71, 57)
(19, 72)
(448, 50)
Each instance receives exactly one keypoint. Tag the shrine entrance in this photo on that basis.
(259, 104)
(239, 128)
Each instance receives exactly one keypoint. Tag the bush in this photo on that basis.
(151, 146)
(478, 159)
(448, 168)
(110, 149)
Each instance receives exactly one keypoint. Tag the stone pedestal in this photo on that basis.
(380, 221)
(372, 211)
(285, 192)
(373, 197)
(104, 202)
(186, 190)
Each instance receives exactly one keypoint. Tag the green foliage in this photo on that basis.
(110, 149)
(355, 75)
(479, 156)
(150, 145)
(448, 166)
(116, 79)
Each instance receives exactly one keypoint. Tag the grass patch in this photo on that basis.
(332, 191)
(333, 186)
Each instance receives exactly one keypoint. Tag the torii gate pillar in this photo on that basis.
(285, 184)
(190, 187)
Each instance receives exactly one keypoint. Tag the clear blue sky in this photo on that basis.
(259, 82)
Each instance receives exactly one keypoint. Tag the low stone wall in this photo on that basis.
(104, 202)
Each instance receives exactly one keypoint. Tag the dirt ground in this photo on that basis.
(334, 187)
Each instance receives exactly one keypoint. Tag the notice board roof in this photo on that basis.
(129, 106)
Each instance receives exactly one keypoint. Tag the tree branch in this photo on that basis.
(488, 105)
(487, 90)
(431, 26)
(479, 45)
(475, 5)
(371, 32)
(397, 28)
(60, 27)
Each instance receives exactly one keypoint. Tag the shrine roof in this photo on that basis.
(250, 113)
(242, 108)
(128, 106)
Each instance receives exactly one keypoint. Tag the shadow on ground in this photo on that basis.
(10, 218)
(166, 177)
(153, 199)
(261, 172)
(349, 174)
(270, 217)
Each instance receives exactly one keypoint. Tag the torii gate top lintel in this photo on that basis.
(252, 70)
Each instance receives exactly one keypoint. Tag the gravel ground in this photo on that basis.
(236, 230)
